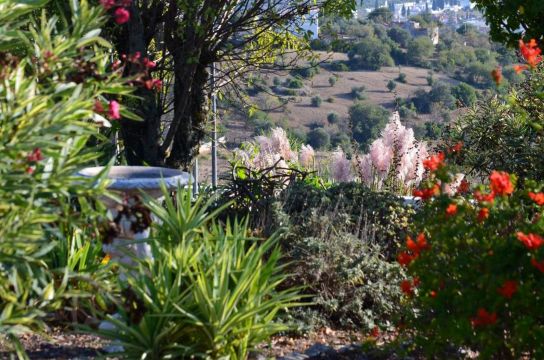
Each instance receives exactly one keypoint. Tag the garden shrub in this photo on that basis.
(332, 118)
(339, 66)
(358, 92)
(341, 243)
(316, 101)
(401, 78)
(210, 290)
(53, 76)
(477, 267)
(295, 84)
(504, 132)
(319, 138)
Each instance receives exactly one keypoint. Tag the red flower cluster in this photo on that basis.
(496, 74)
(451, 210)
(483, 214)
(508, 289)
(407, 286)
(531, 241)
(530, 52)
(143, 66)
(538, 265)
(427, 193)
(35, 156)
(500, 183)
(434, 162)
(463, 187)
(537, 198)
(415, 247)
(121, 15)
(113, 109)
(483, 317)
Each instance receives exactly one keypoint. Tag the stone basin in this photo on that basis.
(133, 179)
(130, 219)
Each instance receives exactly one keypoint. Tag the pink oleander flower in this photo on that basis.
(114, 110)
(107, 4)
(340, 166)
(306, 156)
(121, 16)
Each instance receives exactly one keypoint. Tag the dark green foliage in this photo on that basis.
(465, 94)
(506, 17)
(319, 138)
(505, 132)
(341, 139)
(401, 78)
(332, 118)
(339, 66)
(441, 94)
(367, 121)
(320, 45)
(316, 101)
(305, 72)
(332, 80)
(381, 15)
(295, 84)
(419, 51)
(342, 243)
(358, 93)
(479, 75)
(370, 54)
(276, 81)
(261, 121)
(400, 36)
(433, 130)
(391, 85)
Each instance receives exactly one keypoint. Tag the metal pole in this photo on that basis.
(195, 178)
(214, 130)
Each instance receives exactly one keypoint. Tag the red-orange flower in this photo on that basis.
(375, 332)
(404, 259)
(530, 52)
(531, 241)
(451, 210)
(483, 317)
(463, 187)
(484, 197)
(537, 198)
(406, 287)
(434, 162)
(496, 74)
(508, 289)
(500, 183)
(427, 193)
(520, 68)
(417, 246)
(483, 214)
(456, 148)
(538, 265)
(432, 294)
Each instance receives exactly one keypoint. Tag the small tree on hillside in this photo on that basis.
(391, 85)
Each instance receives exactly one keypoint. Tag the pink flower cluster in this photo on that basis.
(395, 151)
(340, 167)
(267, 151)
(121, 15)
(142, 66)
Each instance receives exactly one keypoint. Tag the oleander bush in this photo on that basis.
(52, 73)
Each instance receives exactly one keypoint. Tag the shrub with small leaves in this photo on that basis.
(316, 101)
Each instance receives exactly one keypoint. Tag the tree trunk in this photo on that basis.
(140, 138)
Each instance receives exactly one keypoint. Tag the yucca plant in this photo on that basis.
(209, 292)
